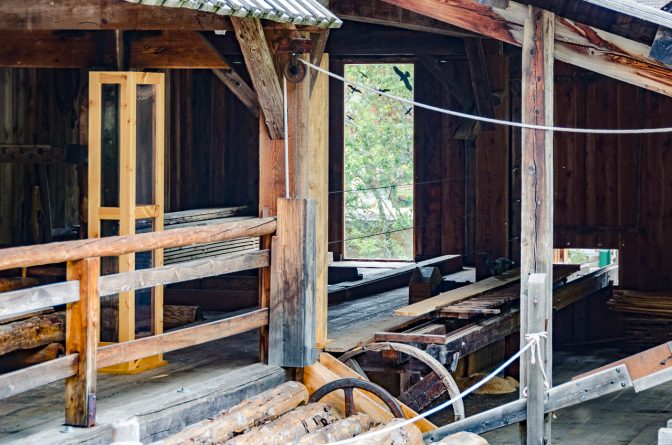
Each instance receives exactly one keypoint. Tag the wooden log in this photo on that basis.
(292, 312)
(407, 435)
(290, 426)
(339, 430)
(264, 407)
(32, 332)
(81, 338)
(176, 316)
(28, 357)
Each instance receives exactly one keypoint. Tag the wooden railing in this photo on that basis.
(82, 292)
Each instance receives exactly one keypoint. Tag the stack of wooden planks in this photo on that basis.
(647, 317)
(200, 217)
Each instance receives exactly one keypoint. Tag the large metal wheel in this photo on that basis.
(350, 384)
(419, 354)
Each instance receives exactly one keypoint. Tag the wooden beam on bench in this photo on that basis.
(459, 294)
(575, 43)
(391, 279)
(259, 61)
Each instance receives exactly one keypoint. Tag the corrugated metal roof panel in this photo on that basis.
(299, 12)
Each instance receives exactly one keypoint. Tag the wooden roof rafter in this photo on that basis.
(575, 43)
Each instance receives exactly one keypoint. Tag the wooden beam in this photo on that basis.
(380, 13)
(259, 61)
(292, 310)
(25, 301)
(172, 49)
(121, 245)
(81, 337)
(537, 216)
(563, 396)
(13, 383)
(104, 14)
(361, 39)
(480, 81)
(239, 88)
(183, 338)
(316, 168)
(319, 45)
(575, 43)
(81, 49)
(186, 271)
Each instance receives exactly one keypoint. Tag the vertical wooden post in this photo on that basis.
(537, 214)
(318, 189)
(292, 304)
(81, 337)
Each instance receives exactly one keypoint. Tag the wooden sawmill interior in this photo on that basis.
(175, 259)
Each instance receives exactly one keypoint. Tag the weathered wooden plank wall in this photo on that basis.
(37, 107)
(212, 153)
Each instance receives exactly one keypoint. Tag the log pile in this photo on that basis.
(647, 317)
(281, 416)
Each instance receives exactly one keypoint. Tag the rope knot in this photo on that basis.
(534, 341)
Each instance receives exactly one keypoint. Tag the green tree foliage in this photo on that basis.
(379, 158)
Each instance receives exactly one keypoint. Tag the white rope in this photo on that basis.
(286, 122)
(487, 119)
(535, 355)
(534, 339)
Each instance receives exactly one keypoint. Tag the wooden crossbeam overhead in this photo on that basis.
(575, 43)
(78, 49)
(380, 13)
(259, 61)
(104, 14)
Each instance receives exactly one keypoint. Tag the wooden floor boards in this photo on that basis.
(196, 383)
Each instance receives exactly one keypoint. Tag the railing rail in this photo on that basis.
(41, 254)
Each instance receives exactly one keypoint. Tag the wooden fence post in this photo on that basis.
(292, 305)
(81, 337)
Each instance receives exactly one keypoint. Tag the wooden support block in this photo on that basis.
(292, 310)
(424, 284)
(82, 338)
